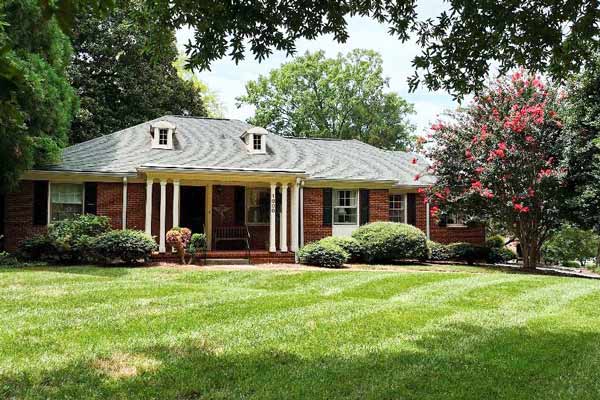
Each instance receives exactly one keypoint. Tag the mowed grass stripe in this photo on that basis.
(192, 333)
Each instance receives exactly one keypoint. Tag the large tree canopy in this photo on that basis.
(36, 101)
(342, 97)
(122, 79)
(582, 119)
(458, 46)
(503, 159)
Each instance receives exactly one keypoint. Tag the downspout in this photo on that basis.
(427, 229)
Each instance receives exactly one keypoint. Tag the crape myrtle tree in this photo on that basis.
(501, 158)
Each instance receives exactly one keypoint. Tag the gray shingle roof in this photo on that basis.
(216, 143)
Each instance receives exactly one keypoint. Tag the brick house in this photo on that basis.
(235, 182)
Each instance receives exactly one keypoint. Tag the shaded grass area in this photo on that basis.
(79, 332)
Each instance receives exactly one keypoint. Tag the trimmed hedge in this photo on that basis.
(323, 254)
(469, 253)
(128, 246)
(349, 244)
(389, 241)
(438, 251)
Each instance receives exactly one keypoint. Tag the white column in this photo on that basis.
(208, 215)
(163, 213)
(124, 212)
(149, 206)
(294, 209)
(272, 220)
(283, 218)
(301, 214)
(176, 202)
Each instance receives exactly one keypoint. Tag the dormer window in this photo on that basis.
(162, 135)
(255, 139)
(257, 142)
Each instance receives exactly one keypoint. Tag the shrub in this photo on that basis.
(438, 251)
(388, 241)
(197, 243)
(68, 241)
(570, 264)
(349, 244)
(37, 248)
(500, 255)
(129, 246)
(7, 259)
(495, 242)
(328, 255)
(468, 252)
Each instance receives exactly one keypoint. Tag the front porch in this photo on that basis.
(244, 215)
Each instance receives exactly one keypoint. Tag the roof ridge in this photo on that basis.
(331, 139)
(199, 117)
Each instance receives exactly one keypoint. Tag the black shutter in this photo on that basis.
(40, 202)
(364, 206)
(327, 207)
(443, 220)
(411, 211)
(239, 197)
(91, 198)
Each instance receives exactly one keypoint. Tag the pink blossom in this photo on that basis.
(417, 177)
(414, 161)
(476, 185)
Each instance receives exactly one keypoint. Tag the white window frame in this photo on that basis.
(52, 186)
(163, 137)
(156, 128)
(249, 191)
(460, 221)
(257, 140)
(402, 210)
(336, 206)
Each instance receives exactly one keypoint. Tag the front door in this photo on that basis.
(192, 208)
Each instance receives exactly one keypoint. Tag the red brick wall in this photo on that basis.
(110, 202)
(313, 216)
(379, 205)
(136, 206)
(446, 235)
(18, 216)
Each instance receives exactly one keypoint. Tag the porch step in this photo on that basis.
(227, 261)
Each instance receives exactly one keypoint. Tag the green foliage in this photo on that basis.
(582, 120)
(323, 254)
(37, 103)
(495, 242)
(500, 255)
(438, 251)
(197, 243)
(571, 244)
(502, 158)
(349, 244)
(123, 76)
(69, 241)
(7, 259)
(468, 252)
(389, 241)
(570, 264)
(342, 97)
(212, 103)
(128, 246)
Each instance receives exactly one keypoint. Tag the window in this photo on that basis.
(258, 203)
(66, 200)
(455, 220)
(397, 207)
(257, 142)
(163, 137)
(345, 210)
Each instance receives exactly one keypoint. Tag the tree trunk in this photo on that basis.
(598, 255)
(530, 247)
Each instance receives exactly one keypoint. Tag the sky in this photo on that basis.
(228, 79)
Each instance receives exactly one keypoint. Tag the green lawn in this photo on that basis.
(164, 333)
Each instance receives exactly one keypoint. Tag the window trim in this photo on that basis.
(247, 205)
(162, 131)
(404, 207)
(335, 206)
(50, 184)
(457, 224)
